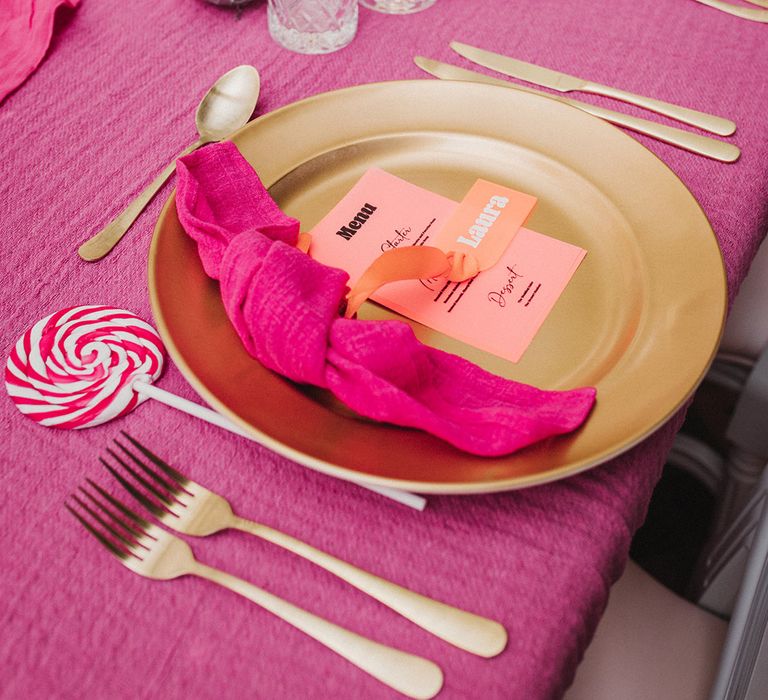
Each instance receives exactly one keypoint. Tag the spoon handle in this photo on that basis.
(102, 243)
(465, 630)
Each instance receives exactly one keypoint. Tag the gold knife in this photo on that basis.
(566, 83)
(744, 12)
(695, 143)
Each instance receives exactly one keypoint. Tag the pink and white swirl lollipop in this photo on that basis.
(85, 365)
(78, 367)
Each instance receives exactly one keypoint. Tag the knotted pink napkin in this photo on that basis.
(26, 27)
(286, 306)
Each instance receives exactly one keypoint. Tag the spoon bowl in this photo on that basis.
(224, 109)
(229, 104)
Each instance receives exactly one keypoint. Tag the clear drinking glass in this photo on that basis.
(312, 26)
(397, 7)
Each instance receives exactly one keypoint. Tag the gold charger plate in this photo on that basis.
(640, 320)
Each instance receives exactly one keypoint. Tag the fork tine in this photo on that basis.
(156, 509)
(157, 493)
(132, 530)
(111, 546)
(141, 522)
(171, 486)
(107, 525)
(178, 477)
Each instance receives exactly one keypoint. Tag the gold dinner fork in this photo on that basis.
(189, 508)
(150, 551)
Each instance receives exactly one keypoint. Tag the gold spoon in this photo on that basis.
(226, 107)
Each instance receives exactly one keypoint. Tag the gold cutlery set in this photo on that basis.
(544, 77)
(182, 505)
(189, 508)
(230, 102)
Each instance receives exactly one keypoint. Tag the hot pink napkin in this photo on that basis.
(26, 27)
(285, 308)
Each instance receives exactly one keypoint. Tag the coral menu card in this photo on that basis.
(500, 309)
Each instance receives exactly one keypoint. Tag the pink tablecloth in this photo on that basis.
(111, 104)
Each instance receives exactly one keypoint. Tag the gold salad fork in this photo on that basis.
(150, 551)
(189, 508)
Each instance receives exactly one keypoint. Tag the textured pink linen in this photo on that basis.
(26, 27)
(285, 307)
(101, 116)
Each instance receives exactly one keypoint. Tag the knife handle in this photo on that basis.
(708, 122)
(751, 13)
(702, 145)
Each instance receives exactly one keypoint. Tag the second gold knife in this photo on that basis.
(695, 143)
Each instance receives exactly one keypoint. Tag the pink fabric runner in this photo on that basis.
(285, 308)
(26, 27)
(107, 109)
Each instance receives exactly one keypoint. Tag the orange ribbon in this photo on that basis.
(413, 262)
(397, 264)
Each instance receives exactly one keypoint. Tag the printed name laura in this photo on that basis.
(484, 221)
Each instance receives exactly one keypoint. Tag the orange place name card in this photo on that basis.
(499, 310)
(485, 222)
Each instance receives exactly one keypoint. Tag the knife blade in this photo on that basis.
(695, 143)
(562, 82)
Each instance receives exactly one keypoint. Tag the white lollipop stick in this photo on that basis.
(210, 416)
(189, 407)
